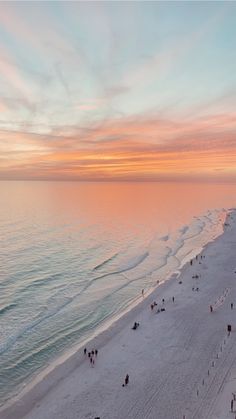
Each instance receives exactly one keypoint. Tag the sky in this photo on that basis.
(118, 91)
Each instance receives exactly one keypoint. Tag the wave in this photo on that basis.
(105, 261)
(131, 264)
(6, 308)
(38, 320)
(165, 238)
(59, 301)
(183, 229)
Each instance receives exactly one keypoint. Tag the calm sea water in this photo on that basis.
(74, 255)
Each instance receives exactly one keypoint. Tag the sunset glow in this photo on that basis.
(118, 91)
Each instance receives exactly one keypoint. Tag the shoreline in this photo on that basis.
(61, 367)
(52, 376)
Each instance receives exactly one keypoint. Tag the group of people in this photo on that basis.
(154, 304)
(91, 355)
(201, 256)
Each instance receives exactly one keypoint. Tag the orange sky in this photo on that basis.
(125, 149)
(142, 91)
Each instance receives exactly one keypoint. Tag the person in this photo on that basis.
(127, 379)
(211, 308)
(143, 292)
(85, 351)
(152, 306)
(163, 301)
(96, 352)
(231, 305)
(232, 405)
(191, 262)
(173, 299)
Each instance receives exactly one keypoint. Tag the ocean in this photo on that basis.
(74, 256)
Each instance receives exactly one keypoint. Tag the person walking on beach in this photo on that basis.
(96, 352)
(232, 405)
(85, 351)
(173, 299)
(232, 306)
(211, 309)
(143, 292)
(126, 380)
(229, 329)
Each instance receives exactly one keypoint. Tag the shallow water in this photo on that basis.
(74, 255)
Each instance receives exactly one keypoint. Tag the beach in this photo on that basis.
(181, 361)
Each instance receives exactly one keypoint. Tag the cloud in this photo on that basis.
(61, 77)
(126, 149)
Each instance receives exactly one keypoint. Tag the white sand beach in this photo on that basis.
(181, 361)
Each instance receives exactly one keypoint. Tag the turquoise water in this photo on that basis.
(74, 255)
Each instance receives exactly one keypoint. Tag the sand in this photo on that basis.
(180, 361)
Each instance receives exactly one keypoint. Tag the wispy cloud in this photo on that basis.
(128, 149)
(87, 94)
